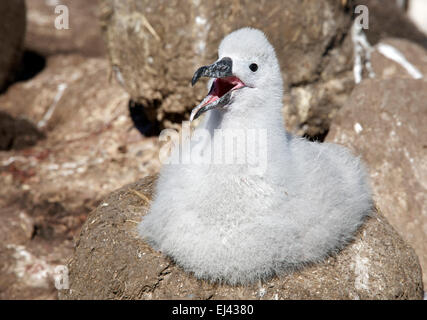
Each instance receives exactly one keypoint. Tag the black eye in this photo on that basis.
(253, 67)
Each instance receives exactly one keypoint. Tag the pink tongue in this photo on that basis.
(210, 99)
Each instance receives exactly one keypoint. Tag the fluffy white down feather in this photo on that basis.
(222, 223)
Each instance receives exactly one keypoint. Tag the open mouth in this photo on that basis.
(219, 95)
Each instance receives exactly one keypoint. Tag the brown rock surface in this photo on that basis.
(155, 48)
(385, 122)
(111, 262)
(12, 33)
(385, 68)
(84, 35)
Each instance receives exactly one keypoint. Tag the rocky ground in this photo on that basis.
(90, 148)
(67, 140)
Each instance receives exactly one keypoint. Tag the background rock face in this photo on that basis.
(155, 47)
(12, 33)
(385, 122)
(83, 37)
(111, 262)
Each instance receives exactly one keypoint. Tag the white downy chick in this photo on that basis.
(290, 202)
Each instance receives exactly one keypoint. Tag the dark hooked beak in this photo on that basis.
(222, 88)
(220, 69)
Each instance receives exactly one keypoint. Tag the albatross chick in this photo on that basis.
(243, 221)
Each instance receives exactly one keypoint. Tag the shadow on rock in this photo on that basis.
(17, 133)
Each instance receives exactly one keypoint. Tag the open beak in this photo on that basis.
(222, 87)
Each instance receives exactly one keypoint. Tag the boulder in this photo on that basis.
(111, 262)
(12, 33)
(155, 48)
(385, 122)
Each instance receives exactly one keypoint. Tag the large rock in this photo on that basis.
(112, 262)
(155, 48)
(385, 122)
(12, 33)
(83, 36)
